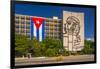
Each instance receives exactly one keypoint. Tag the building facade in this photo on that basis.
(52, 26)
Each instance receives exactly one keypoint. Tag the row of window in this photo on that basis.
(22, 24)
(22, 27)
(19, 24)
(22, 21)
(46, 30)
(53, 30)
(52, 26)
(22, 17)
(55, 34)
(53, 21)
(22, 31)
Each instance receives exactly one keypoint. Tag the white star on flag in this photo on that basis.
(37, 21)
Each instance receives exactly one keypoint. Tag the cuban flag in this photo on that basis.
(37, 28)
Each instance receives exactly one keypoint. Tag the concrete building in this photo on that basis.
(52, 26)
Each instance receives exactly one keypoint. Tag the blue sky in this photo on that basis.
(50, 11)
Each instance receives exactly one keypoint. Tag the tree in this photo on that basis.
(48, 47)
(50, 52)
(88, 48)
(39, 48)
(21, 45)
(52, 45)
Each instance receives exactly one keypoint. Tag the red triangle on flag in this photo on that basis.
(37, 21)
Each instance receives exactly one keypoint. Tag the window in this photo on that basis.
(16, 30)
(22, 17)
(16, 17)
(17, 26)
(27, 27)
(27, 22)
(27, 18)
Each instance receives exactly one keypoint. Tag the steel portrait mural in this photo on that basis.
(73, 31)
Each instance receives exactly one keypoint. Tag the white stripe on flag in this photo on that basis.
(40, 33)
(34, 30)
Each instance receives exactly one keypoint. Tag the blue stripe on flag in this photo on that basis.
(43, 31)
(37, 32)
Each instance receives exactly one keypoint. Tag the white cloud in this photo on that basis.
(90, 39)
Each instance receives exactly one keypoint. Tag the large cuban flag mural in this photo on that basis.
(37, 28)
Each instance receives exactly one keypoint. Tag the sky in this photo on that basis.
(50, 11)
